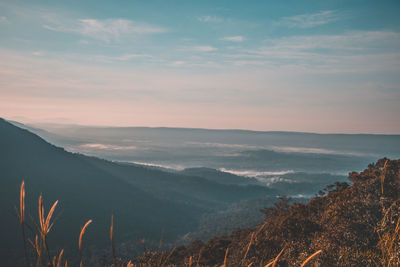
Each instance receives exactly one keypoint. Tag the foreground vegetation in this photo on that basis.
(355, 225)
(349, 225)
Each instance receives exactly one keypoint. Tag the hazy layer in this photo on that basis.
(244, 153)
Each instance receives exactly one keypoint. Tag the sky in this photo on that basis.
(310, 66)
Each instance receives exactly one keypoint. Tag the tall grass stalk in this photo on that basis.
(226, 257)
(80, 242)
(21, 218)
(169, 255)
(310, 258)
(248, 246)
(273, 263)
(45, 225)
(112, 240)
(383, 175)
(59, 258)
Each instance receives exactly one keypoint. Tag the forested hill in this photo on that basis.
(147, 203)
(353, 225)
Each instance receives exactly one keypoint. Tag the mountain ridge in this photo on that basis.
(89, 187)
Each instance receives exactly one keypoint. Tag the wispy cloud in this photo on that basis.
(312, 150)
(349, 51)
(204, 48)
(106, 93)
(125, 57)
(96, 146)
(309, 20)
(105, 30)
(237, 38)
(4, 20)
(37, 53)
(177, 63)
(213, 19)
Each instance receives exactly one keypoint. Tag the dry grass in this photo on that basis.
(310, 258)
(21, 218)
(248, 246)
(166, 260)
(226, 257)
(80, 241)
(112, 239)
(389, 239)
(383, 175)
(45, 225)
(82, 233)
(273, 263)
(22, 203)
(59, 258)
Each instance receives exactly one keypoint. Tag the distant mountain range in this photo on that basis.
(147, 203)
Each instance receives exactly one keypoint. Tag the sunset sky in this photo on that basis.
(314, 66)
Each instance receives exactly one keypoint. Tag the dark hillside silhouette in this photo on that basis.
(146, 203)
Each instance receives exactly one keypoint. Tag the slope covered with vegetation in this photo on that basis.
(147, 204)
(353, 225)
(346, 225)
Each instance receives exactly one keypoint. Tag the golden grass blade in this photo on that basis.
(250, 265)
(130, 264)
(393, 237)
(249, 245)
(54, 261)
(66, 263)
(383, 175)
(47, 223)
(31, 242)
(59, 258)
(82, 232)
(112, 239)
(37, 246)
(169, 255)
(309, 258)
(273, 263)
(22, 203)
(21, 217)
(112, 228)
(41, 211)
(226, 257)
(190, 261)
(277, 257)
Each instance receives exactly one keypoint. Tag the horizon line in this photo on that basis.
(193, 128)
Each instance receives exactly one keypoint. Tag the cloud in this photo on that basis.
(304, 21)
(107, 94)
(4, 20)
(312, 150)
(125, 57)
(37, 53)
(212, 19)
(204, 48)
(105, 30)
(233, 38)
(254, 173)
(177, 63)
(97, 146)
(132, 56)
(351, 51)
